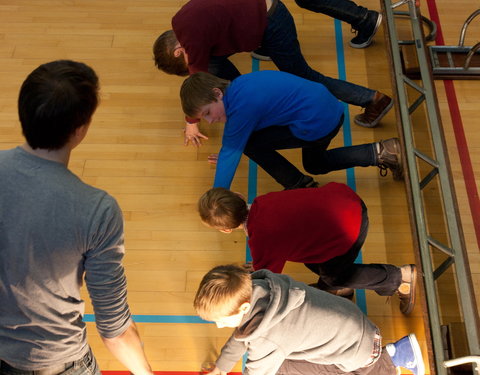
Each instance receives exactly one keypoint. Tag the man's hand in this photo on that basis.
(212, 158)
(193, 135)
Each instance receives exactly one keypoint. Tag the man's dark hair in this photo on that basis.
(55, 99)
(164, 55)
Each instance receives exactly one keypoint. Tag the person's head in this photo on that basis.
(201, 95)
(224, 295)
(56, 100)
(222, 209)
(169, 56)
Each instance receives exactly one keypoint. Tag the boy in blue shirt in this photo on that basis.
(268, 111)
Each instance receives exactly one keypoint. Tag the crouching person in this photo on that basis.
(287, 327)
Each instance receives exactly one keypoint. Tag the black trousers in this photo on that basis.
(343, 272)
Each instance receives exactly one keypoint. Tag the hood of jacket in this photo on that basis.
(273, 297)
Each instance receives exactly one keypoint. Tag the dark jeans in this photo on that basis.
(263, 144)
(84, 366)
(383, 366)
(343, 10)
(342, 272)
(281, 44)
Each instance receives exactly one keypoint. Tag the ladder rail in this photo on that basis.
(458, 257)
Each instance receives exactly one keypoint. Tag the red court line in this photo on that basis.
(459, 131)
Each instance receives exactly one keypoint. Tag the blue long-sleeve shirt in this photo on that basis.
(258, 100)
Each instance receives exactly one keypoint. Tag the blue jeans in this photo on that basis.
(263, 144)
(87, 365)
(343, 272)
(343, 10)
(281, 44)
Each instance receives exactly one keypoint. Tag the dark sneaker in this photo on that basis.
(261, 55)
(406, 353)
(366, 30)
(407, 299)
(389, 156)
(305, 182)
(374, 111)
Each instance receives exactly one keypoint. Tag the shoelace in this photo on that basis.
(383, 170)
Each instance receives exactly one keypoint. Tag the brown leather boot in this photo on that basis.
(389, 156)
(406, 291)
(374, 111)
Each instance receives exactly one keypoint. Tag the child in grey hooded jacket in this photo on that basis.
(287, 327)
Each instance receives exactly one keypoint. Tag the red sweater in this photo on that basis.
(218, 28)
(303, 225)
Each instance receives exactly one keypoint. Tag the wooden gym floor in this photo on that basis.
(135, 151)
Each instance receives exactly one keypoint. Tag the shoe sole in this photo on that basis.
(377, 120)
(413, 288)
(418, 353)
(399, 175)
(260, 57)
(369, 41)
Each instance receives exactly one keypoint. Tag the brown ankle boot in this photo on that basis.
(374, 111)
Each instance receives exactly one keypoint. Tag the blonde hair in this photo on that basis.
(222, 291)
(197, 91)
(221, 208)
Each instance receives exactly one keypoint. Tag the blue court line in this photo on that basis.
(347, 141)
(252, 173)
(252, 193)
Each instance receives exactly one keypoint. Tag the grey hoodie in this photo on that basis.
(290, 320)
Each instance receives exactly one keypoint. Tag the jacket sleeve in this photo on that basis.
(231, 353)
(266, 364)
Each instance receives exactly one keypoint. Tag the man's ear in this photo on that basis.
(228, 231)
(218, 93)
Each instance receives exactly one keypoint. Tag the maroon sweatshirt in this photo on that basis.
(218, 28)
(303, 225)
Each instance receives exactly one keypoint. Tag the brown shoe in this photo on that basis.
(407, 300)
(375, 111)
(389, 156)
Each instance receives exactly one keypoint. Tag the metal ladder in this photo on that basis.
(440, 247)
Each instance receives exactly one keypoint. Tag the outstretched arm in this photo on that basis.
(128, 349)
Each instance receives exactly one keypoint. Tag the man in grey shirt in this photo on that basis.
(55, 231)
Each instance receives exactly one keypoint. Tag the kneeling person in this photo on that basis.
(324, 228)
(289, 328)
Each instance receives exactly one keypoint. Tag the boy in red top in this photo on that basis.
(324, 228)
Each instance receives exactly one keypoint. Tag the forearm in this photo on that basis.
(128, 349)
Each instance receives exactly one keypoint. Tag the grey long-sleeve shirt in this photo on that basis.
(55, 230)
